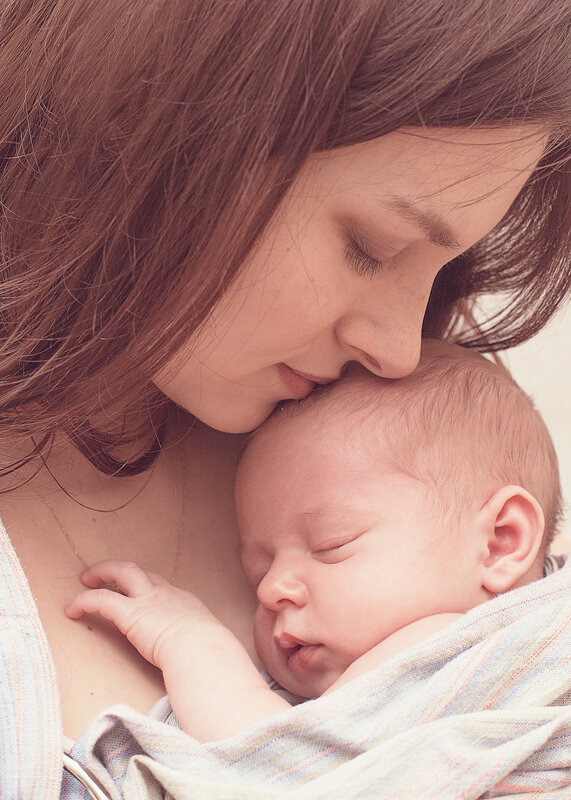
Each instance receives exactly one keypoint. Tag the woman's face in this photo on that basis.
(344, 270)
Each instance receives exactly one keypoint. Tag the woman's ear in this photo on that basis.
(513, 524)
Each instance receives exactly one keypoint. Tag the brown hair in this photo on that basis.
(458, 423)
(145, 145)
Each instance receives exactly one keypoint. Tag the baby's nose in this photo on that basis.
(275, 590)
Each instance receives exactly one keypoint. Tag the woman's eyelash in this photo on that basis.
(362, 262)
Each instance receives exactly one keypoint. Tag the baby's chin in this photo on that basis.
(309, 689)
(306, 669)
(308, 683)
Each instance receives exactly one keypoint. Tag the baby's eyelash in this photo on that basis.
(362, 262)
(331, 548)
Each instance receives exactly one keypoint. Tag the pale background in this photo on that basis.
(542, 367)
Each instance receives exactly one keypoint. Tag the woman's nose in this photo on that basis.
(384, 330)
(277, 588)
(389, 354)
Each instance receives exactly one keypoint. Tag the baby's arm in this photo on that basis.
(214, 688)
(400, 640)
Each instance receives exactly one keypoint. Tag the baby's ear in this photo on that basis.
(513, 524)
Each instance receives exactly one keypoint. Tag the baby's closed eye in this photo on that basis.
(336, 549)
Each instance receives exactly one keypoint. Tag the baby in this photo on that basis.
(371, 515)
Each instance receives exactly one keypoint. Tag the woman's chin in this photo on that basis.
(234, 418)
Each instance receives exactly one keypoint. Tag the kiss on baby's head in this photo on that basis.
(373, 503)
(457, 422)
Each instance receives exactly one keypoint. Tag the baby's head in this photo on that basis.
(374, 503)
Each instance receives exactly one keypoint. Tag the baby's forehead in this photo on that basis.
(322, 437)
(294, 426)
(334, 407)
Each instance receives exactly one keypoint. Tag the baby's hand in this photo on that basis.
(156, 617)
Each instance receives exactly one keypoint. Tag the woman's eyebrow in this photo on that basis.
(429, 222)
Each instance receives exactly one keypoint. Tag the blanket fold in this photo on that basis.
(481, 710)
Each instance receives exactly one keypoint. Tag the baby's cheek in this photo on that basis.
(264, 637)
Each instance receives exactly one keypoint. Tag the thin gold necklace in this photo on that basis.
(81, 560)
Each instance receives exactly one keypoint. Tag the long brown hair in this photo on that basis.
(145, 145)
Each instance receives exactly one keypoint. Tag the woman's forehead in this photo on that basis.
(425, 162)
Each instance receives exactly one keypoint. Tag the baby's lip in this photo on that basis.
(285, 641)
(299, 655)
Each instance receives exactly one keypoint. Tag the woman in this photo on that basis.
(208, 208)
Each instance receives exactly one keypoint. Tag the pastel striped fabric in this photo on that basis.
(480, 710)
(30, 721)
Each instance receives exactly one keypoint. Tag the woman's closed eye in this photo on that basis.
(362, 262)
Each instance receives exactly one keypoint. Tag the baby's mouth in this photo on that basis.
(299, 654)
(288, 643)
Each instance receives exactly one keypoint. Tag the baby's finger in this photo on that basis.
(156, 579)
(130, 579)
(109, 604)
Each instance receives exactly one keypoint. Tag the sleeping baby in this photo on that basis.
(372, 514)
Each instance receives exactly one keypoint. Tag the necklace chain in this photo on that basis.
(81, 560)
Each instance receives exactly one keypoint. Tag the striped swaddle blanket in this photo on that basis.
(479, 710)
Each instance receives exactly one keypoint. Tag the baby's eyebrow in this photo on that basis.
(314, 512)
(341, 511)
(318, 511)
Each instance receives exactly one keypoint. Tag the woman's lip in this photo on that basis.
(300, 384)
(315, 378)
(297, 385)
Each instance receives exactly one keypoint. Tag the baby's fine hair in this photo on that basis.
(459, 422)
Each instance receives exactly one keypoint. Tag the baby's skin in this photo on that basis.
(215, 689)
(352, 557)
